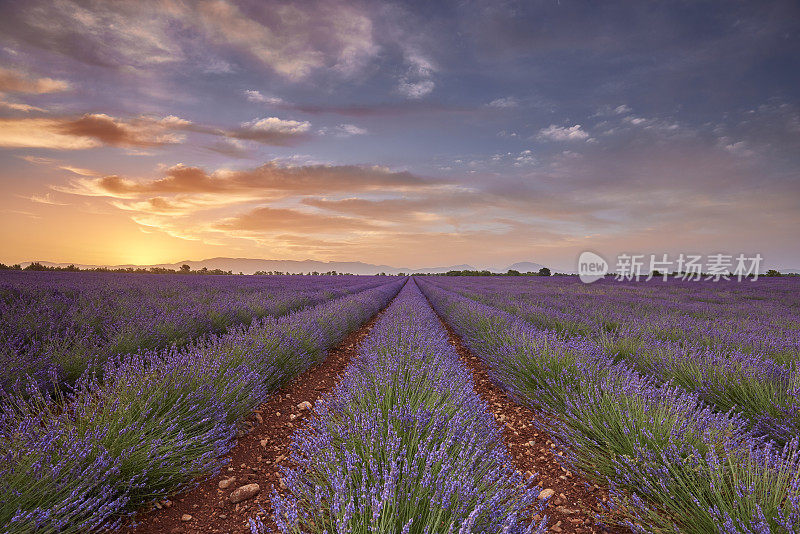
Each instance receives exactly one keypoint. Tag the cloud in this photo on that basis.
(417, 82)
(230, 147)
(16, 106)
(562, 133)
(655, 124)
(268, 180)
(177, 205)
(378, 110)
(47, 198)
(256, 96)
(424, 207)
(293, 41)
(188, 202)
(41, 133)
(22, 212)
(739, 148)
(18, 82)
(57, 164)
(272, 130)
(344, 130)
(525, 157)
(416, 89)
(139, 132)
(89, 131)
(503, 103)
(277, 126)
(99, 129)
(372, 210)
(610, 111)
(119, 35)
(267, 219)
(352, 129)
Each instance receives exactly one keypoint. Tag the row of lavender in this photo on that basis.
(404, 444)
(737, 345)
(147, 425)
(681, 465)
(761, 316)
(57, 324)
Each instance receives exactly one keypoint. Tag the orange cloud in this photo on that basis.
(173, 203)
(17, 106)
(41, 133)
(266, 219)
(45, 199)
(139, 132)
(56, 164)
(179, 205)
(428, 207)
(89, 131)
(268, 179)
(18, 82)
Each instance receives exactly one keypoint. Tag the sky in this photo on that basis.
(408, 134)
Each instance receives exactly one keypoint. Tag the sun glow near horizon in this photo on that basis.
(379, 139)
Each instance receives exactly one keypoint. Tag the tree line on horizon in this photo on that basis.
(186, 269)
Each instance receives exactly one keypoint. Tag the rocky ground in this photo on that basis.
(224, 503)
(573, 502)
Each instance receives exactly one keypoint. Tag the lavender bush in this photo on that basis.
(763, 316)
(404, 444)
(735, 344)
(65, 322)
(679, 464)
(147, 425)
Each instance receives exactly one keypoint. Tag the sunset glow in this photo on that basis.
(409, 134)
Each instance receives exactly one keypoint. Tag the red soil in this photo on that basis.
(576, 502)
(255, 458)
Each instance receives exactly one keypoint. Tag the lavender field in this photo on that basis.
(683, 396)
(144, 424)
(679, 400)
(53, 326)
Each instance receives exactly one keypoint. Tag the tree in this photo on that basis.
(185, 269)
(773, 272)
(513, 272)
(544, 271)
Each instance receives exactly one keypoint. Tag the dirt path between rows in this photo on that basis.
(255, 459)
(574, 502)
(257, 455)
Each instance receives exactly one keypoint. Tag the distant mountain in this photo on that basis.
(463, 267)
(251, 265)
(525, 267)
